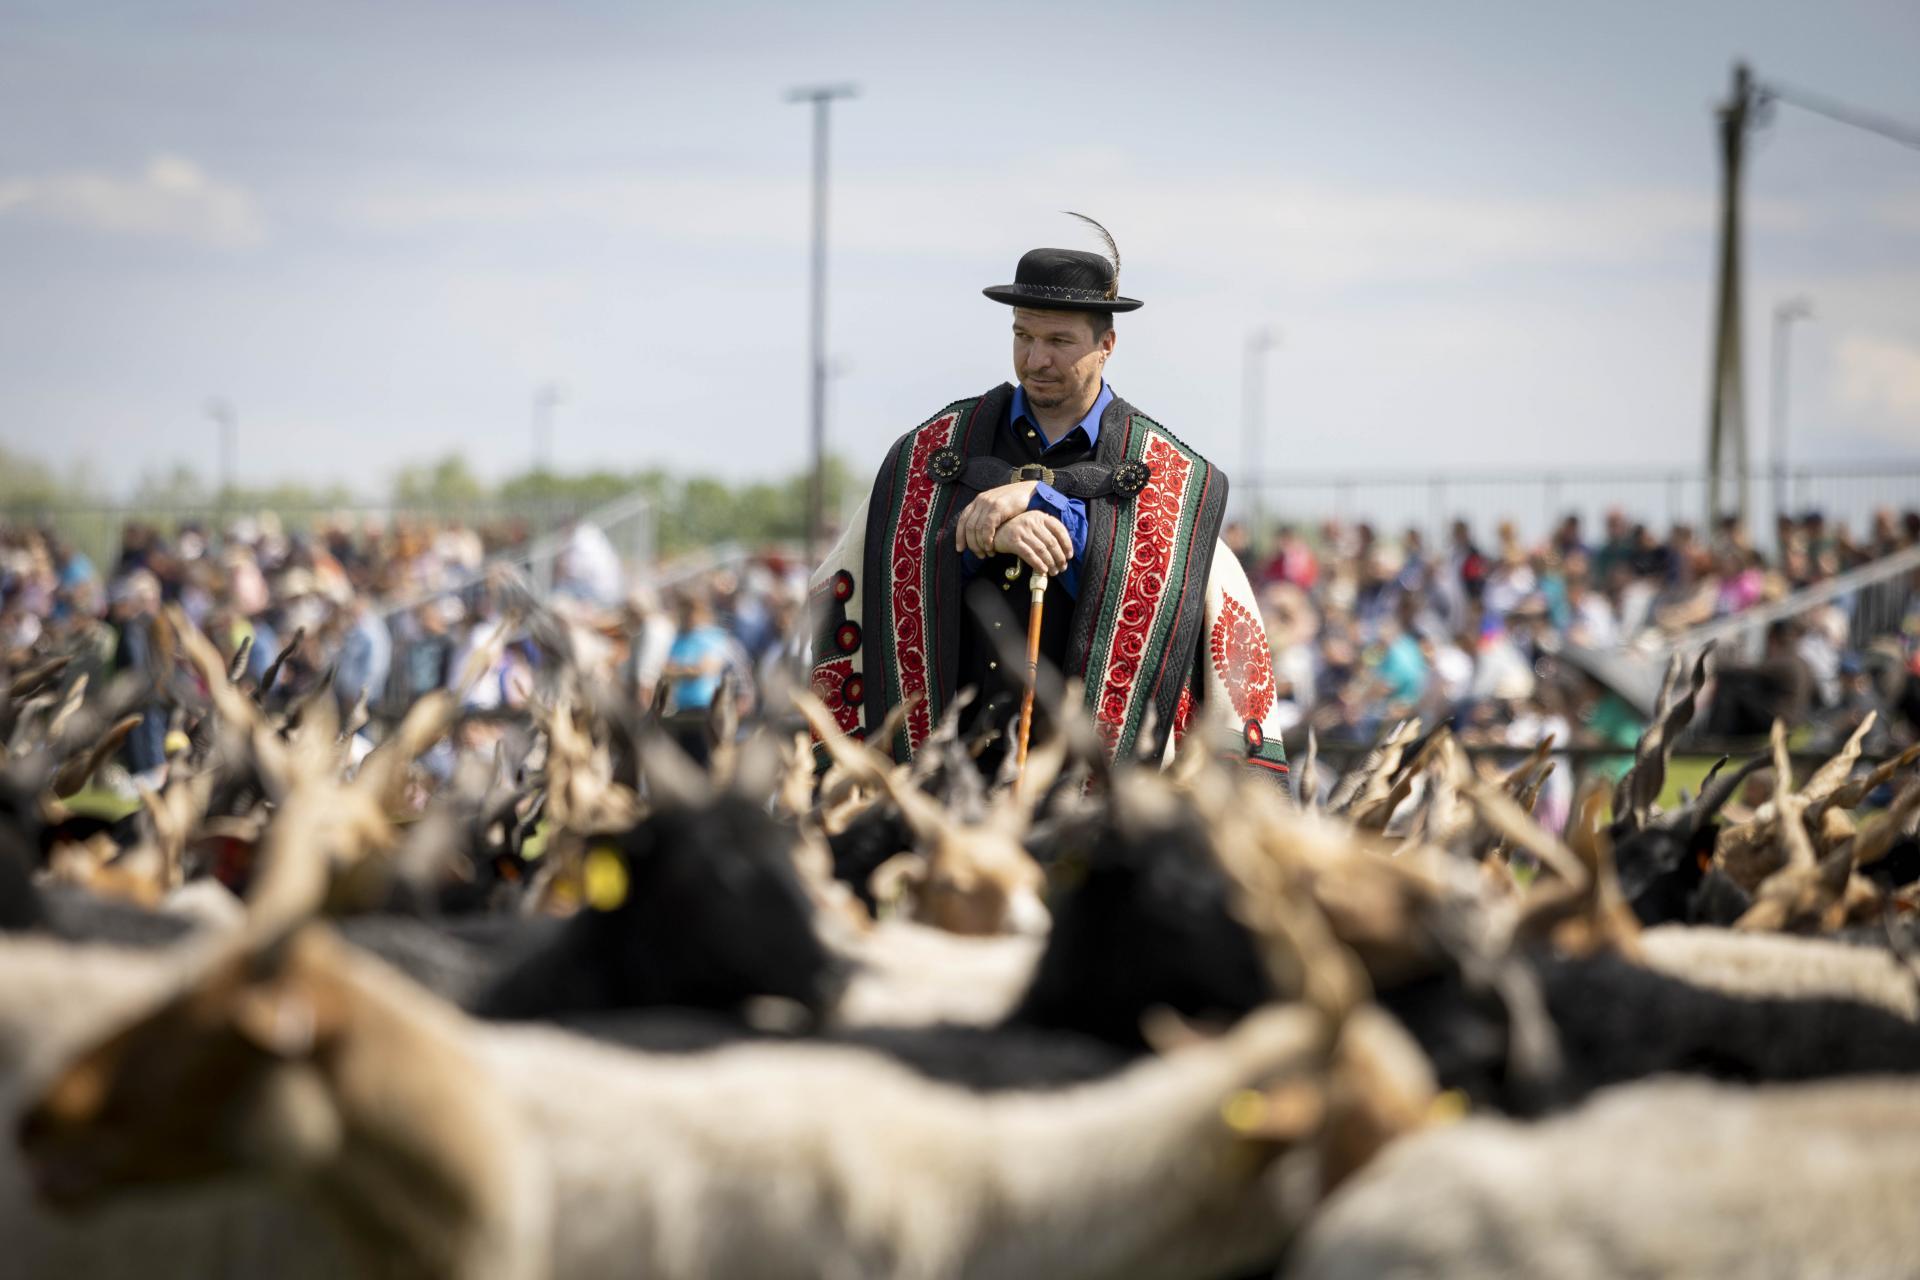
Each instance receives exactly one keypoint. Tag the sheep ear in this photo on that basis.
(278, 1006)
(672, 779)
(1282, 1115)
(1167, 1031)
(890, 879)
(282, 1020)
(757, 770)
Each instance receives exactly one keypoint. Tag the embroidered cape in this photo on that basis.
(1165, 633)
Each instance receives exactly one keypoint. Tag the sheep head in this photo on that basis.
(965, 878)
(224, 1078)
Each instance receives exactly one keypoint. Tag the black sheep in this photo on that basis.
(876, 833)
(1662, 866)
(713, 914)
(1142, 918)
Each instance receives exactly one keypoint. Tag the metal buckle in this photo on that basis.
(1033, 471)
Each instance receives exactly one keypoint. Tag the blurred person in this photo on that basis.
(589, 567)
(1399, 662)
(782, 661)
(1749, 697)
(1500, 671)
(1053, 475)
(1619, 548)
(365, 659)
(1858, 695)
(1691, 595)
(1450, 656)
(699, 656)
(1466, 571)
(78, 581)
(1593, 620)
(1535, 719)
(1820, 644)
(1885, 538)
(651, 628)
(748, 613)
(134, 610)
(1653, 558)
(1291, 627)
(1512, 578)
(1236, 539)
(1740, 580)
(1567, 541)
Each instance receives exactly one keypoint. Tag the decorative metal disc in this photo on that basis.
(1131, 476)
(945, 465)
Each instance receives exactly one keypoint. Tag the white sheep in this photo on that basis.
(1782, 966)
(1665, 1178)
(442, 1146)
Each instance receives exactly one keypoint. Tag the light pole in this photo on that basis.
(821, 96)
(1784, 314)
(546, 398)
(1259, 342)
(220, 409)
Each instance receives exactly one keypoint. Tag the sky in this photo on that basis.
(1483, 233)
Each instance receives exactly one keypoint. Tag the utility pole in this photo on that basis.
(1254, 389)
(1784, 314)
(1727, 414)
(821, 96)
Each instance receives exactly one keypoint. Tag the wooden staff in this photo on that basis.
(1038, 583)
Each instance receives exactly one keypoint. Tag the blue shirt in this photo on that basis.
(1071, 512)
(692, 649)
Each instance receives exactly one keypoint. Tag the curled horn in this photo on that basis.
(1113, 251)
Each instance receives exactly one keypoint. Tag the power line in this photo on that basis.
(1887, 127)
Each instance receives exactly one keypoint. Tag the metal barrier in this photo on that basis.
(1881, 592)
(96, 528)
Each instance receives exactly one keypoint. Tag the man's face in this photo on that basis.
(1056, 357)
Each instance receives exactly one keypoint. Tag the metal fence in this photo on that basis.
(1535, 501)
(96, 527)
(1877, 596)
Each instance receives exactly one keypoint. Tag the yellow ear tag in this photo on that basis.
(1448, 1108)
(1244, 1111)
(606, 878)
(176, 743)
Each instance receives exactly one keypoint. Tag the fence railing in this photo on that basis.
(1535, 501)
(1878, 595)
(95, 528)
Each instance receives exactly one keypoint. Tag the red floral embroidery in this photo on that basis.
(1243, 662)
(830, 681)
(909, 568)
(1156, 524)
(1182, 713)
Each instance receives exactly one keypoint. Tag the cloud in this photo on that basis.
(1296, 235)
(1879, 375)
(172, 198)
(1901, 212)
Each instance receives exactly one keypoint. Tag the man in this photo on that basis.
(1060, 475)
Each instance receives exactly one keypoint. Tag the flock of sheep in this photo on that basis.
(587, 1008)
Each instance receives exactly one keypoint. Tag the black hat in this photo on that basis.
(1066, 280)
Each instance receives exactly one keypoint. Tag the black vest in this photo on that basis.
(980, 663)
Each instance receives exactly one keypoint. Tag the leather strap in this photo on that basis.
(1081, 480)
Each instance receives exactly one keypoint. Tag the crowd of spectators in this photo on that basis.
(384, 612)
(1514, 640)
(1500, 637)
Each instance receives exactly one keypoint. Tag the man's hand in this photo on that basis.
(974, 530)
(1039, 539)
